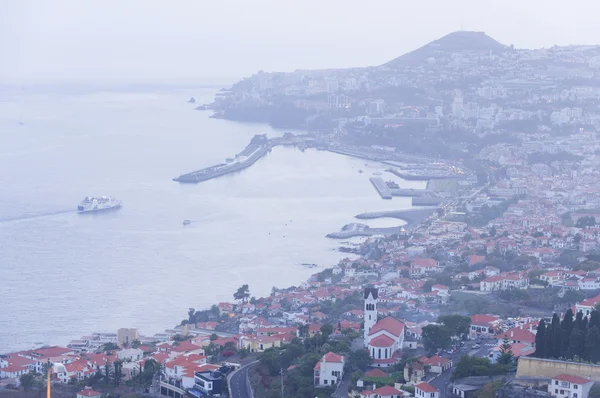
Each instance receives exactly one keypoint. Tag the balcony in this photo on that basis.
(171, 387)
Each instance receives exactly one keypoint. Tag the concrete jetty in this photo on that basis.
(381, 187)
(412, 217)
(386, 192)
(259, 146)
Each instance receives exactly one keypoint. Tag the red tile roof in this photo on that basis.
(386, 390)
(481, 319)
(185, 346)
(436, 361)
(48, 352)
(376, 373)
(332, 357)
(571, 379)
(590, 302)
(13, 368)
(389, 324)
(424, 262)
(518, 334)
(382, 341)
(426, 387)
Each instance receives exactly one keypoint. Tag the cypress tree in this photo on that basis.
(592, 347)
(540, 340)
(594, 320)
(579, 321)
(556, 337)
(549, 348)
(566, 329)
(577, 343)
(585, 324)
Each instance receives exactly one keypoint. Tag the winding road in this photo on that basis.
(238, 387)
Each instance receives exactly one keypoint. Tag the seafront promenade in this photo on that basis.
(260, 145)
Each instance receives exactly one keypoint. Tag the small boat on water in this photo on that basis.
(360, 171)
(186, 222)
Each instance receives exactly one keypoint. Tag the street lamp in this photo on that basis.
(57, 368)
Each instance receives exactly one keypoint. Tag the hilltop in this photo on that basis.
(453, 42)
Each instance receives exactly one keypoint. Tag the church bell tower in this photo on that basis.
(371, 295)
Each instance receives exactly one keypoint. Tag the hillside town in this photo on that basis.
(463, 81)
(495, 294)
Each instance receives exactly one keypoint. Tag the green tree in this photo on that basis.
(594, 320)
(242, 294)
(151, 365)
(572, 296)
(243, 353)
(214, 310)
(457, 325)
(136, 343)
(326, 330)
(109, 347)
(506, 356)
(579, 320)
(27, 380)
(435, 337)
(567, 325)
(584, 222)
(555, 348)
(541, 340)
(471, 366)
(359, 360)
(213, 337)
(118, 375)
(427, 286)
(592, 344)
(107, 372)
(577, 343)
(191, 313)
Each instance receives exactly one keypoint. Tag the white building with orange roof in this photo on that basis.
(586, 306)
(569, 386)
(518, 335)
(484, 325)
(329, 370)
(426, 390)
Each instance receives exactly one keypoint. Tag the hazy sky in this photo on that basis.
(196, 40)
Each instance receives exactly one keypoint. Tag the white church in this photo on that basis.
(382, 338)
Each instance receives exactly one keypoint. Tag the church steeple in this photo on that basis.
(370, 311)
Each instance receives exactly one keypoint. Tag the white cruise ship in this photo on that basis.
(91, 203)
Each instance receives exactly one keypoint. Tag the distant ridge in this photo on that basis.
(453, 42)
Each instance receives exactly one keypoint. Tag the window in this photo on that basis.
(562, 391)
(556, 391)
(432, 395)
(556, 382)
(574, 395)
(575, 386)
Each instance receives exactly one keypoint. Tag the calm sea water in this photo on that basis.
(64, 274)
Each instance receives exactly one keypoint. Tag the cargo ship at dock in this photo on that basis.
(259, 146)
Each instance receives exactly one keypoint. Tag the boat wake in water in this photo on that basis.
(35, 216)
